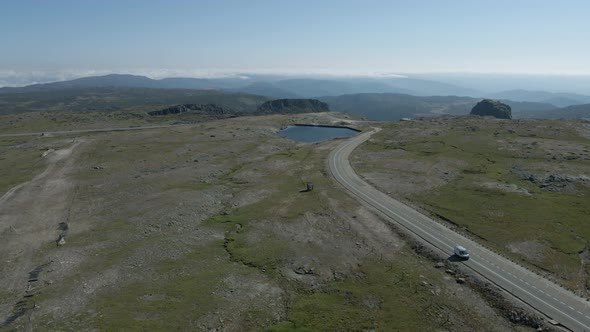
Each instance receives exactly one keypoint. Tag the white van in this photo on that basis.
(461, 252)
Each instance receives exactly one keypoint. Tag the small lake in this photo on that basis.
(311, 134)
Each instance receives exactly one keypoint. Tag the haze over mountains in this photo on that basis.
(376, 98)
(305, 87)
(557, 99)
(273, 86)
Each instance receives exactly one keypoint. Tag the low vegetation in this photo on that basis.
(519, 186)
(207, 227)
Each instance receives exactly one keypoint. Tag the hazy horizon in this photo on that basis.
(484, 82)
(68, 39)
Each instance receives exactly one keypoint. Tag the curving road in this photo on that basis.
(543, 295)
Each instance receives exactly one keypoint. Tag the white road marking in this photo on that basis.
(428, 227)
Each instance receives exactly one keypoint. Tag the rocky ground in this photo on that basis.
(519, 186)
(205, 227)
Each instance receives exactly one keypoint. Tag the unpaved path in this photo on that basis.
(30, 214)
(81, 131)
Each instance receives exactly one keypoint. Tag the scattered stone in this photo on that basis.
(61, 241)
(308, 188)
(460, 280)
(98, 167)
(46, 153)
(304, 270)
(449, 271)
(439, 265)
(506, 187)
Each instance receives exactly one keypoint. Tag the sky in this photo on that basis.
(334, 37)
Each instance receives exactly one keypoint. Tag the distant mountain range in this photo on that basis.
(265, 86)
(281, 87)
(124, 98)
(569, 112)
(120, 81)
(391, 107)
(557, 99)
(389, 98)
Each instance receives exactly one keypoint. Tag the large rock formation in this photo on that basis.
(488, 107)
(293, 106)
(209, 109)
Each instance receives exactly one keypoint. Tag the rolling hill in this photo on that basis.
(110, 99)
(271, 86)
(245, 95)
(569, 112)
(557, 99)
(391, 107)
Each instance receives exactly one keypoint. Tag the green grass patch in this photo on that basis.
(296, 153)
(20, 161)
(383, 296)
(488, 151)
(183, 292)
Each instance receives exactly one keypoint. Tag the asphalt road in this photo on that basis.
(543, 295)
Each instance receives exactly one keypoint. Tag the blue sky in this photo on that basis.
(169, 38)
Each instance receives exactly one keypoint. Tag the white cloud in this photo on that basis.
(15, 78)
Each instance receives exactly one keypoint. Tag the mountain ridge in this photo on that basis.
(277, 87)
(392, 107)
(559, 99)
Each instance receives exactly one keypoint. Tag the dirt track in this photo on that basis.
(30, 214)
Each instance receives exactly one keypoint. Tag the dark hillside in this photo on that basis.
(266, 89)
(570, 112)
(558, 99)
(109, 99)
(392, 106)
(283, 106)
(113, 81)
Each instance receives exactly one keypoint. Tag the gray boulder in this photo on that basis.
(488, 107)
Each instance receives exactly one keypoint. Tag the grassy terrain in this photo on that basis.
(204, 227)
(473, 161)
(32, 122)
(20, 159)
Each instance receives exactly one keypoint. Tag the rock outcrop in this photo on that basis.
(283, 106)
(209, 109)
(488, 107)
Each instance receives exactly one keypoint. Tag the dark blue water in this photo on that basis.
(310, 134)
